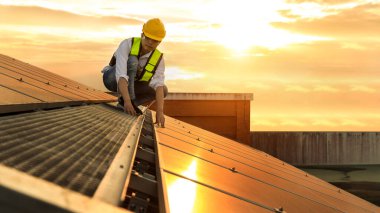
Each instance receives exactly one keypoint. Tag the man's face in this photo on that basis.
(148, 44)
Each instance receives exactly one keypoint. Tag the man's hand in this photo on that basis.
(160, 119)
(128, 107)
(123, 88)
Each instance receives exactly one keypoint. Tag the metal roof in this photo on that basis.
(95, 158)
(72, 147)
(199, 166)
(25, 87)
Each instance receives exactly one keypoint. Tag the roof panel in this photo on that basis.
(192, 194)
(71, 147)
(247, 174)
(301, 188)
(42, 86)
(10, 96)
(223, 179)
(240, 151)
(51, 87)
(30, 90)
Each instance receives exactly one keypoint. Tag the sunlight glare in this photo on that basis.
(182, 193)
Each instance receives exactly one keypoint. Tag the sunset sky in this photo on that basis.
(311, 65)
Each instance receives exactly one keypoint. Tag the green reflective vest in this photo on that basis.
(153, 60)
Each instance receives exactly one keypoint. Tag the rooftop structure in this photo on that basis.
(92, 157)
(226, 114)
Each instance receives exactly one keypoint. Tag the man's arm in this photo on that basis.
(160, 118)
(123, 89)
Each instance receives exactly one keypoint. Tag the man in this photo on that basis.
(136, 71)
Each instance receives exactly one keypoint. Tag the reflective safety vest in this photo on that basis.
(153, 60)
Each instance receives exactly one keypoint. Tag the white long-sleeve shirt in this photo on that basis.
(122, 54)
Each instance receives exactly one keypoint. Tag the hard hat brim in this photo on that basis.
(152, 36)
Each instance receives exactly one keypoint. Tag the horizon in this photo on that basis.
(311, 65)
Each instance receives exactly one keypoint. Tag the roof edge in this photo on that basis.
(209, 96)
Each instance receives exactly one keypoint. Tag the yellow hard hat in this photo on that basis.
(154, 29)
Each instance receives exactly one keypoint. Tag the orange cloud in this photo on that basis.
(360, 21)
(39, 16)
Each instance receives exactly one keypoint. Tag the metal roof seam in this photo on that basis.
(53, 78)
(46, 74)
(79, 91)
(21, 93)
(41, 87)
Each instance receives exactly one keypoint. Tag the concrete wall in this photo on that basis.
(320, 148)
(226, 114)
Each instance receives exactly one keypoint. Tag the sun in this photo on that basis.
(246, 24)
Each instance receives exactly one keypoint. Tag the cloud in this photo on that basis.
(352, 122)
(325, 88)
(330, 2)
(176, 73)
(362, 88)
(297, 88)
(39, 16)
(324, 122)
(361, 21)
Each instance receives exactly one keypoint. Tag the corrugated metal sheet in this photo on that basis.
(320, 148)
(72, 147)
(199, 166)
(26, 87)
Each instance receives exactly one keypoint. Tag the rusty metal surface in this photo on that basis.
(25, 87)
(71, 147)
(192, 154)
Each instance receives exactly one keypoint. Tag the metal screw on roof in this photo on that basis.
(121, 166)
(233, 169)
(48, 83)
(306, 175)
(283, 163)
(129, 146)
(20, 79)
(65, 85)
(281, 209)
(189, 132)
(86, 88)
(183, 126)
(198, 139)
(77, 87)
(211, 150)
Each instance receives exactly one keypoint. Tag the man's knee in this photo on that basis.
(109, 78)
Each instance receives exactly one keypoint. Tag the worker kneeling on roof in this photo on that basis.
(136, 71)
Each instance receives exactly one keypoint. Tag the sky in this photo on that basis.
(311, 65)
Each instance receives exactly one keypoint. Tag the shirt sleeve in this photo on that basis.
(158, 78)
(121, 55)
